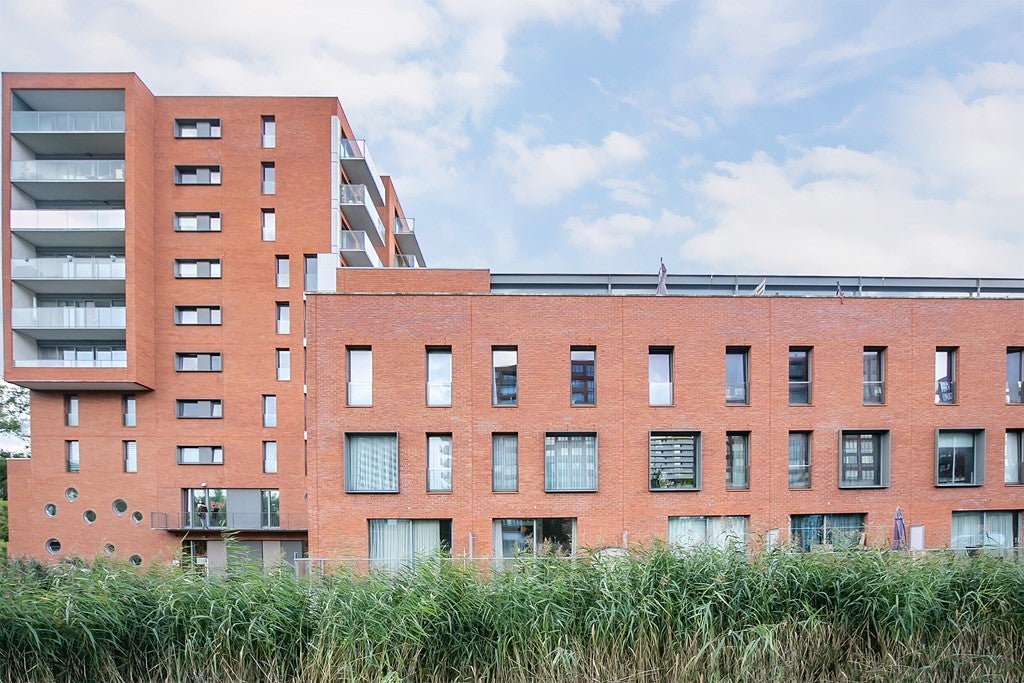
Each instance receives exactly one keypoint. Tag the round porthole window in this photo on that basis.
(50, 510)
(136, 516)
(135, 560)
(89, 516)
(119, 507)
(108, 548)
(71, 493)
(53, 546)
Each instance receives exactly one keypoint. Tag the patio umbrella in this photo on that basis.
(899, 531)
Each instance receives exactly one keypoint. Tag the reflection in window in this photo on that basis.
(736, 375)
(504, 385)
(659, 376)
(581, 376)
(945, 376)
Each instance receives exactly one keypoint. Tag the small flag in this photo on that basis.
(759, 290)
(662, 289)
(839, 291)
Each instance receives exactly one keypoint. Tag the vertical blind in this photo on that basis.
(371, 463)
(505, 462)
(570, 462)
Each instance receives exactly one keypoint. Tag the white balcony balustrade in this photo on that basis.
(358, 250)
(361, 214)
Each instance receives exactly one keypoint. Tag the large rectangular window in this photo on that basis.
(799, 460)
(396, 543)
(945, 375)
(70, 410)
(360, 376)
(1013, 463)
(268, 182)
(128, 410)
(1014, 375)
(197, 315)
(197, 362)
(439, 376)
(71, 461)
(268, 130)
(504, 376)
(874, 375)
(724, 533)
(799, 375)
(737, 380)
(200, 455)
(659, 376)
(863, 459)
(959, 457)
(570, 462)
(197, 268)
(209, 408)
(674, 461)
(995, 532)
(531, 537)
(197, 175)
(582, 383)
(281, 275)
(269, 410)
(268, 225)
(439, 462)
(504, 462)
(284, 364)
(270, 457)
(131, 457)
(827, 532)
(737, 460)
(282, 317)
(196, 222)
(197, 128)
(371, 463)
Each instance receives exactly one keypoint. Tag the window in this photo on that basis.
(267, 128)
(197, 268)
(439, 462)
(439, 376)
(200, 455)
(71, 456)
(269, 457)
(197, 128)
(724, 533)
(283, 317)
(71, 410)
(395, 543)
(1013, 467)
(1014, 375)
(267, 177)
(131, 457)
(531, 537)
(810, 532)
(281, 271)
(309, 272)
(504, 376)
(674, 461)
(863, 459)
(959, 457)
(284, 365)
(197, 315)
(659, 376)
(197, 222)
(269, 410)
(874, 375)
(204, 408)
(360, 376)
(570, 462)
(581, 376)
(799, 375)
(197, 175)
(504, 462)
(736, 374)
(945, 376)
(799, 460)
(371, 463)
(737, 460)
(128, 414)
(987, 531)
(197, 362)
(268, 225)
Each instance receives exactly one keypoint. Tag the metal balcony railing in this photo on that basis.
(68, 170)
(221, 520)
(67, 122)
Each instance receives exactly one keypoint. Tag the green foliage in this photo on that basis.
(652, 617)
(3, 520)
(13, 408)
(3, 476)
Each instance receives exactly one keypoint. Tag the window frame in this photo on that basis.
(945, 385)
(800, 383)
(130, 456)
(269, 418)
(283, 364)
(881, 443)
(796, 468)
(212, 314)
(212, 267)
(359, 376)
(282, 317)
(213, 406)
(552, 462)
(1017, 458)
(732, 396)
(1015, 373)
(977, 477)
(507, 379)
(129, 410)
(270, 461)
(268, 177)
(282, 276)
(495, 436)
(349, 463)
(197, 174)
(441, 384)
(268, 140)
(72, 456)
(268, 225)
(737, 481)
(206, 221)
(436, 469)
(183, 125)
(180, 356)
(71, 410)
(694, 436)
(873, 390)
(205, 454)
(660, 352)
(579, 377)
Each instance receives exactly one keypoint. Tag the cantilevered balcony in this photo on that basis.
(70, 274)
(405, 235)
(407, 261)
(70, 322)
(361, 214)
(228, 521)
(357, 249)
(57, 227)
(70, 179)
(70, 132)
(360, 169)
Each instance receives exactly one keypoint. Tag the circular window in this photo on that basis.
(89, 516)
(119, 506)
(50, 510)
(53, 546)
(135, 560)
(136, 516)
(71, 493)
(108, 548)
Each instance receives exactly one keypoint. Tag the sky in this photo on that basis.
(599, 136)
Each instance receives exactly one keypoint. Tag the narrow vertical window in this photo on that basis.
(360, 376)
(439, 463)
(268, 131)
(309, 272)
(131, 458)
(1013, 470)
(874, 375)
(268, 185)
(71, 410)
(737, 381)
(268, 225)
(128, 406)
(945, 376)
(283, 317)
(269, 410)
(1014, 375)
(582, 383)
(281, 271)
(799, 375)
(505, 462)
(71, 456)
(737, 460)
(799, 460)
(439, 376)
(269, 457)
(284, 364)
(659, 376)
(504, 376)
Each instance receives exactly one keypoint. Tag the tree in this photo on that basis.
(13, 408)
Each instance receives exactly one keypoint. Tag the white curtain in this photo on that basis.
(687, 532)
(1011, 468)
(570, 462)
(725, 533)
(505, 462)
(439, 463)
(988, 530)
(360, 377)
(390, 546)
(371, 463)
(439, 377)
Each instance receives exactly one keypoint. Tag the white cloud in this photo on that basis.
(683, 125)
(630, 192)
(618, 233)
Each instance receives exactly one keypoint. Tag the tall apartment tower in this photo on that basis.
(159, 251)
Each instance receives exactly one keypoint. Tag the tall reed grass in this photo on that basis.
(654, 616)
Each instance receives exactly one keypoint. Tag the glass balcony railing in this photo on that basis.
(224, 519)
(68, 170)
(68, 317)
(357, 195)
(67, 121)
(357, 241)
(356, 150)
(407, 261)
(659, 393)
(404, 226)
(71, 362)
(70, 219)
(68, 268)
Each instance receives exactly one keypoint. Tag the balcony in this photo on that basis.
(360, 169)
(405, 235)
(357, 250)
(70, 132)
(70, 179)
(69, 322)
(407, 261)
(228, 521)
(65, 275)
(358, 209)
(59, 227)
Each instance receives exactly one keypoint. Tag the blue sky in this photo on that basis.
(846, 138)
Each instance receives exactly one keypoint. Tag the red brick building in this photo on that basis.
(218, 306)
